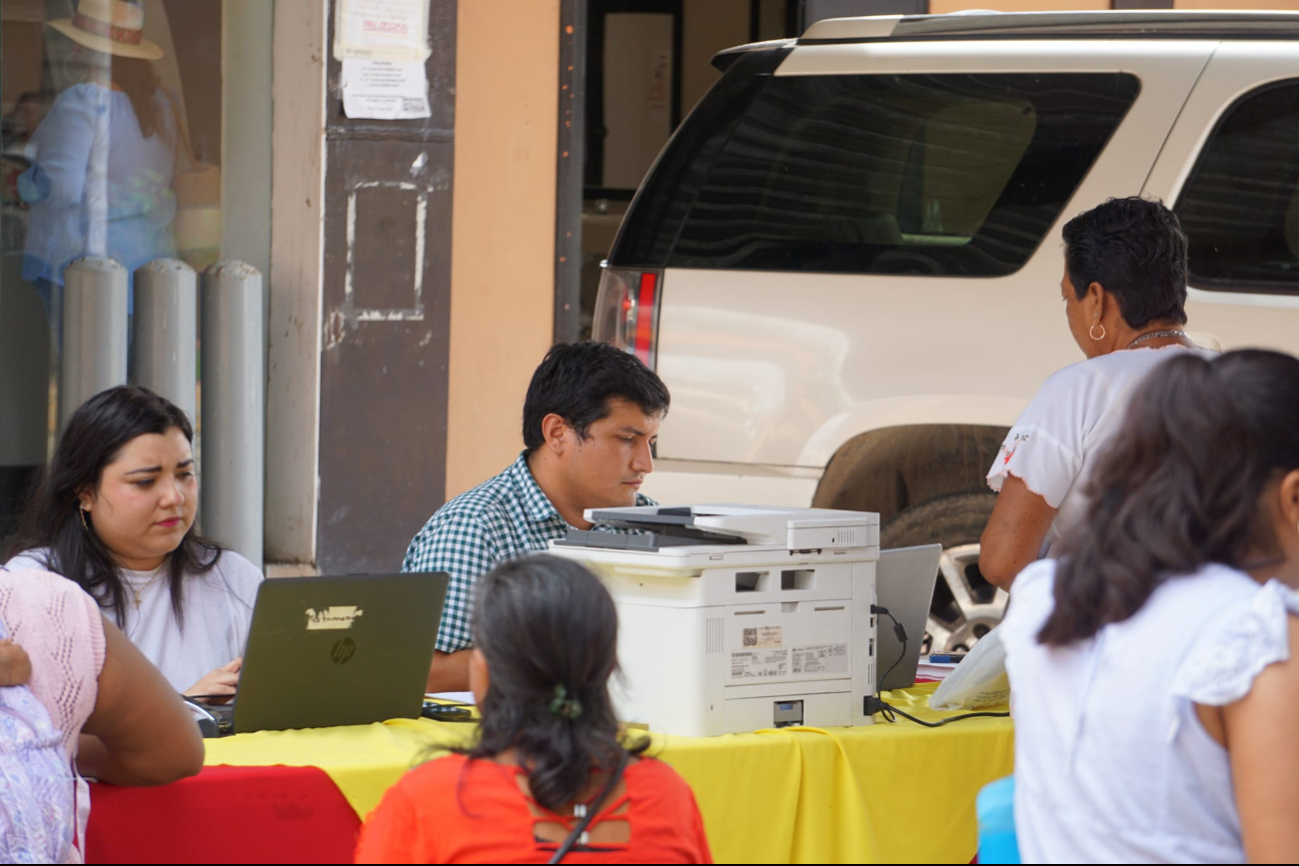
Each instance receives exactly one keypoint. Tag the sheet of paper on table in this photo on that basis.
(939, 671)
(456, 697)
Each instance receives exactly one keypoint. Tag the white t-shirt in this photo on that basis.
(1053, 446)
(1112, 764)
(218, 610)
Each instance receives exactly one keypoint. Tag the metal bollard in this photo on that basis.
(234, 408)
(165, 341)
(94, 331)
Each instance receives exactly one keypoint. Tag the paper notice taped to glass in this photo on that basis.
(381, 29)
(385, 89)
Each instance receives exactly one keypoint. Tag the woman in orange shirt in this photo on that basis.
(549, 748)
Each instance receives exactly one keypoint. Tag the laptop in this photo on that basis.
(904, 583)
(327, 651)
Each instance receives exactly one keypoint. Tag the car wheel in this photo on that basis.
(965, 606)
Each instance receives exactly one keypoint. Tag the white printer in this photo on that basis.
(734, 618)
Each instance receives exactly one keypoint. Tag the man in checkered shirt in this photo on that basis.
(590, 420)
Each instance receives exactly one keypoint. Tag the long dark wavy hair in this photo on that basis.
(95, 435)
(1180, 485)
(140, 83)
(544, 622)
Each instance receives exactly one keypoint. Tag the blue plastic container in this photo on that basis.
(995, 807)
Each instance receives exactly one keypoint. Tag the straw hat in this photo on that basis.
(110, 27)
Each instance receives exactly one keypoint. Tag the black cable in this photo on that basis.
(888, 711)
(592, 809)
(873, 704)
(901, 635)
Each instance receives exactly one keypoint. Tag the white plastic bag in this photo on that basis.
(979, 680)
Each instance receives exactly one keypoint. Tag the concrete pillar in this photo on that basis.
(232, 494)
(165, 341)
(94, 331)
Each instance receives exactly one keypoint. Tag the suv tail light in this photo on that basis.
(627, 311)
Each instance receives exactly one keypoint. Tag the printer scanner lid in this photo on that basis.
(727, 524)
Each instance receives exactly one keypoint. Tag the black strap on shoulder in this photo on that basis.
(591, 811)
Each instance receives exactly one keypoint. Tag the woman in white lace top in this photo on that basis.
(1152, 682)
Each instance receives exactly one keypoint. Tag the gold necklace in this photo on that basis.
(136, 592)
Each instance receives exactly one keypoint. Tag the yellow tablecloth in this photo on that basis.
(898, 793)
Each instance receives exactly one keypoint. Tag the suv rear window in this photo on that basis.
(1240, 206)
(958, 175)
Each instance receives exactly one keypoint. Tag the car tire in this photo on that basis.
(964, 606)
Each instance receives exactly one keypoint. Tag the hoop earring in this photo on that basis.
(84, 525)
(1092, 328)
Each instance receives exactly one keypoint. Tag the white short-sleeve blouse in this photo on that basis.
(218, 611)
(1112, 764)
(1054, 443)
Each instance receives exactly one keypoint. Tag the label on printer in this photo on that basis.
(762, 636)
(759, 664)
(831, 658)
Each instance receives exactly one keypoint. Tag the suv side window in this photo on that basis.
(958, 175)
(1240, 205)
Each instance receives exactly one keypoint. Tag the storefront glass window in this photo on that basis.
(111, 145)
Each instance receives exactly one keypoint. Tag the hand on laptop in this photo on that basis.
(219, 685)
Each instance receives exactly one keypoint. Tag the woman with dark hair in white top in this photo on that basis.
(1152, 666)
(1124, 293)
(115, 512)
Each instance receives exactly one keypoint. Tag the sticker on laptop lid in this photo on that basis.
(336, 617)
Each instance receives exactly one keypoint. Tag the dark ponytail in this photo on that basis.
(1179, 486)
(549, 631)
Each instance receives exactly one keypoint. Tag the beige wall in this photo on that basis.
(707, 26)
(503, 228)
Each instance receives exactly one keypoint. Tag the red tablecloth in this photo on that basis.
(224, 815)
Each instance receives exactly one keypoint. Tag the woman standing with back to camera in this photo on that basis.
(1124, 293)
(1152, 666)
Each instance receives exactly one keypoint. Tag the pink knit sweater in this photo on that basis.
(62, 630)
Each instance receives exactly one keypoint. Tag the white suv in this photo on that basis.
(846, 262)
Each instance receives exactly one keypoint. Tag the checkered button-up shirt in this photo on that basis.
(501, 519)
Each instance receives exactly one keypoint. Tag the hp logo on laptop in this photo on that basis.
(343, 651)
